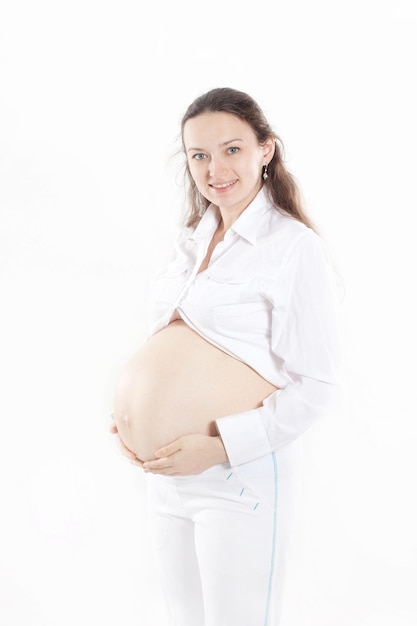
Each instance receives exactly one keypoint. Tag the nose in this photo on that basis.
(217, 166)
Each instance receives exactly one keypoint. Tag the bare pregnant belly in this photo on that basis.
(178, 384)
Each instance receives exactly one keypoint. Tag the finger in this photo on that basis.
(136, 462)
(158, 465)
(131, 456)
(126, 451)
(169, 471)
(169, 449)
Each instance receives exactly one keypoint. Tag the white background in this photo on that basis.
(91, 95)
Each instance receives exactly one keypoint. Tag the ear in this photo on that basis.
(268, 149)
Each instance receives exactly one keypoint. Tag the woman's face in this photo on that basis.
(225, 159)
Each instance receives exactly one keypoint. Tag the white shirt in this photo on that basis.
(267, 298)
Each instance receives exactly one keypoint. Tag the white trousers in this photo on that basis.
(222, 539)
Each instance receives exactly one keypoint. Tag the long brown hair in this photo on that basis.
(280, 185)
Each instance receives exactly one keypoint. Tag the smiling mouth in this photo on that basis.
(223, 185)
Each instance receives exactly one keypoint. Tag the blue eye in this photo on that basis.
(199, 156)
(233, 150)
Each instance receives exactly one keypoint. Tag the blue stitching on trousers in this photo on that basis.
(274, 538)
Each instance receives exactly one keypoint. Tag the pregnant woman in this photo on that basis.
(241, 358)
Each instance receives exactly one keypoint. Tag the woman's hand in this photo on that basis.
(131, 456)
(190, 454)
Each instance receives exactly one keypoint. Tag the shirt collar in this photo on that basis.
(245, 226)
(248, 222)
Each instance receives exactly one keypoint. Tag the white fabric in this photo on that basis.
(223, 539)
(267, 298)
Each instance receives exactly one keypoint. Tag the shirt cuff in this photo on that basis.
(244, 436)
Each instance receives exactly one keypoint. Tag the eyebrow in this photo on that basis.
(225, 143)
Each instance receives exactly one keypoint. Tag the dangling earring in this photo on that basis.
(265, 173)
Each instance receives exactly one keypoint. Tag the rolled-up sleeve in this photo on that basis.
(305, 343)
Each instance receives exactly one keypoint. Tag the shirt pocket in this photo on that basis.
(251, 279)
(238, 295)
(231, 288)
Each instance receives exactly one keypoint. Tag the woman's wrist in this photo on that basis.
(221, 454)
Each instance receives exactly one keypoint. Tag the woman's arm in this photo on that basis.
(305, 342)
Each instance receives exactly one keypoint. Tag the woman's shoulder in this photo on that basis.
(279, 225)
(284, 237)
